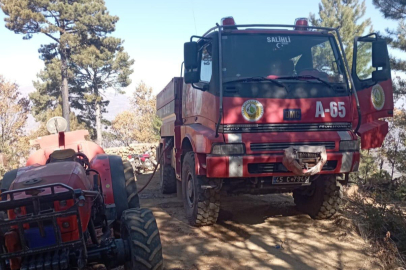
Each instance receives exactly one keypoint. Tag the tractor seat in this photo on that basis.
(62, 155)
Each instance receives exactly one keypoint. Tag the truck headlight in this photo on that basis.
(349, 146)
(228, 149)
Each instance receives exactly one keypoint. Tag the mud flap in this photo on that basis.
(293, 163)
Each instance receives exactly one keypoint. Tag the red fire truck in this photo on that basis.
(269, 109)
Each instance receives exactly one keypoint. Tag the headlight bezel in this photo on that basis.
(349, 146)
(228, 149)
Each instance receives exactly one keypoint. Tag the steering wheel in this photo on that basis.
(310, 69)
(83, 160)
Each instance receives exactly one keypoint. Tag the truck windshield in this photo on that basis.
(280, 55)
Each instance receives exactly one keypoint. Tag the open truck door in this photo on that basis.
(372, 80)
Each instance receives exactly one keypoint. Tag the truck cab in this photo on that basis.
(271, 108)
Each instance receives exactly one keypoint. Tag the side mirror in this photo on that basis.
(380, 59)
(190, 54)
(380, 55)
(191, 76)
(370, 60)
(190, 58)
(380, 75)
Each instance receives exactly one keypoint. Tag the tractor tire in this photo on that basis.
(131, 185)
(118, 183)
(139, 228)
(324, 202)
(8, 178)
(168, 179)
(201, 205)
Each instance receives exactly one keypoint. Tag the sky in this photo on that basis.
(154, 32)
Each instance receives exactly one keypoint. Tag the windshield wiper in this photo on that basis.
(311, 77)
(259, 79)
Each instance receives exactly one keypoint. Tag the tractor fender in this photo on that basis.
(112, 179)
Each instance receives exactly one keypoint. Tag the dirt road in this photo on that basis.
(254, 232)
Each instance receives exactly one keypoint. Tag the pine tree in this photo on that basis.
(100, 64)
(396, 10)
(65, 22)
(346, 15)
(394, 146)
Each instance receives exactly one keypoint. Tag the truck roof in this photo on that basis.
(271, 28)
(276, 31)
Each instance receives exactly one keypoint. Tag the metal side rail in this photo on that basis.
(39, 216)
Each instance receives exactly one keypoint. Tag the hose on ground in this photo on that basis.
(156, 165)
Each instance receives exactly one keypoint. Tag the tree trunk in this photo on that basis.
(65, 89)
(98, 118)
(393, 170)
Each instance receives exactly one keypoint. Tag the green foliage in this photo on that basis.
(70, 25)
(395, 10)
(368, 165)
(81, 53)
(66, 22)
(156, 127)
(347, 16)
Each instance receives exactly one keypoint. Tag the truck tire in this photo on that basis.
(201, 205)
(131, 186)
(325, 199)
(168, 179)
(139, 228)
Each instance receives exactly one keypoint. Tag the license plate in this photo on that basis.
(290, 179)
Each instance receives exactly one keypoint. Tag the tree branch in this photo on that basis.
(54, 38)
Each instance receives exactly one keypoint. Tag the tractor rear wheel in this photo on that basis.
(324, 200)
(202, 206)
(131, 185)
(139, 228)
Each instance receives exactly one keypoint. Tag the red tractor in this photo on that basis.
(73, 206)
(271, 109)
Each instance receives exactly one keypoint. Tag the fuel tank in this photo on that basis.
(69, 173)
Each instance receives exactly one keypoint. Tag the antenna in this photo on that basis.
(194, 19)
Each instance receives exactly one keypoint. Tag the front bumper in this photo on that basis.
(262, 165)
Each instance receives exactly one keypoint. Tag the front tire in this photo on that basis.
(201, 205)
(139, 228)
(324, 201)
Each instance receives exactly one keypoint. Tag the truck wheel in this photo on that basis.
(139, 228)
(202, 205)
(131, 185)
(168, 179)
(325, 199)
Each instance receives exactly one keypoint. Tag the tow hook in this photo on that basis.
(216, 184)
(208, 186)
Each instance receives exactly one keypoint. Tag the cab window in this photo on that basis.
(206, 64)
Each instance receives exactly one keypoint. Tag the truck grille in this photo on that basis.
(282, 146)
(279, 167)
(241, 128)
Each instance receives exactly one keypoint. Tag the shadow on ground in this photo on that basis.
(253, 232)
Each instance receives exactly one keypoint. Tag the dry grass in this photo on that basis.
(382, 222)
